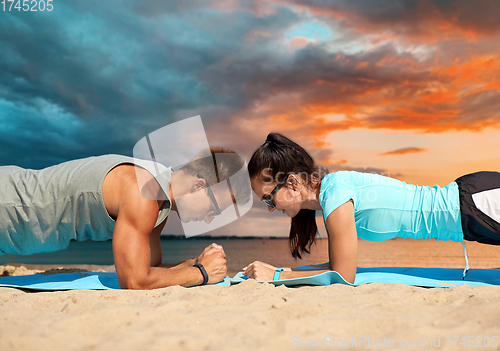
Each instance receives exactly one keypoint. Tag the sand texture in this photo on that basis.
(253, 316)
(243, 317)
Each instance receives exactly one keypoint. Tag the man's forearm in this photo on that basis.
(188, 263)
(160, 277)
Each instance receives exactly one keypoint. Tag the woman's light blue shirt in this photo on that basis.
(385, 208)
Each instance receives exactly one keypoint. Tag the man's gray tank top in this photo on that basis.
(42, 210)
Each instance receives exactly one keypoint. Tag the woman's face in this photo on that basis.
(286, 199)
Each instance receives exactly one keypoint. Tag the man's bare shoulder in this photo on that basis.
(127, 182)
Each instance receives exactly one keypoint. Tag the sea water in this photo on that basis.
(240, 252)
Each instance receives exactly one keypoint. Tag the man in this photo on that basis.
(122, 198)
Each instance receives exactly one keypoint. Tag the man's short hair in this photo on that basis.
(227, 164)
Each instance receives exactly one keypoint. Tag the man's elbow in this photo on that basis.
(133, 283)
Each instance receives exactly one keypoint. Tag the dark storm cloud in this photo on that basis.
(117, 98)
(118, 74)
(44, 64)
(259, 78)
(412, 18)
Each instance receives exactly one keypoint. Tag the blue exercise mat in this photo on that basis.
(424, 277)
(69, 281)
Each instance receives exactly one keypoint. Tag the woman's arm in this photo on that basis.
(343, 241)
(342, 250)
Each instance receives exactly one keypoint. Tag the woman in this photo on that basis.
(368, 206)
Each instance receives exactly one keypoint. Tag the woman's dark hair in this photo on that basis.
(274, 160)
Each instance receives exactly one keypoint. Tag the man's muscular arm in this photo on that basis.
(132, 253)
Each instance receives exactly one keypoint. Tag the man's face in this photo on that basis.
(200, 206)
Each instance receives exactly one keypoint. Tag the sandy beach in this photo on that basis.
(258, 316)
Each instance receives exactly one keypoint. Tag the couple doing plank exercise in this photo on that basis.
(128, 200)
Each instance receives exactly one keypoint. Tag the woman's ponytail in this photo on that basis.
(302, 232)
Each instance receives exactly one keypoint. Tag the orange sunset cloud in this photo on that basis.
(404, 151)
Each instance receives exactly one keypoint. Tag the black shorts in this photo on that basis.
(479, 195)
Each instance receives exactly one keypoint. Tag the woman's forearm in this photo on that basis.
(290, 274)
(312, 267)
(300, 274)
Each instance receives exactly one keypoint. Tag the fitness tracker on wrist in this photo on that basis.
(203, 272)
(277, 273)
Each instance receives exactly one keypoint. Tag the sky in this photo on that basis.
(409, 89)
